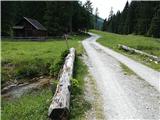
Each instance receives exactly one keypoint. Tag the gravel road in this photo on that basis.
(124, 96)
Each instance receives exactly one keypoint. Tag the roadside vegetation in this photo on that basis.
(28, 59)
(126, 70)
(78, 105)
(147, 44)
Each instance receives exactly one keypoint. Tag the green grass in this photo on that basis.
(24, 59)
(78, 105)
(33, 106)
(146, 44)
(126, 70)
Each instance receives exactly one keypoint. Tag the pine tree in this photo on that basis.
(145, 13)
(96, 19)
(154, 29)
(104, 25)
(116, 21)
(7, 13)
(88, 13)
(124, 14)
(58, 21)
(110, 21)
(51, 19)
(139, 17)
(111, 13)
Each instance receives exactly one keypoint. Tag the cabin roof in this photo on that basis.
(35, 23)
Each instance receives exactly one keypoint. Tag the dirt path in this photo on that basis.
(124, 97)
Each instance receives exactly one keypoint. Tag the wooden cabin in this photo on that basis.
(29, 28)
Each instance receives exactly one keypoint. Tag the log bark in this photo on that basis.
(59, 107)
(126, 48)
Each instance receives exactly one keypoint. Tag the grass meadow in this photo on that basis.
(147, 44)
(23, 60)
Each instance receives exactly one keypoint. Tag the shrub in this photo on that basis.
(55, 67)
(27, 71)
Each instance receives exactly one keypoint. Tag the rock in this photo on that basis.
(41, 77)
(147, 107)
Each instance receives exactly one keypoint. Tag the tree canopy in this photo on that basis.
(58, 17)
(138, 17)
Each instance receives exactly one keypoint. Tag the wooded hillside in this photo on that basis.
(57, 17)
(138, 17)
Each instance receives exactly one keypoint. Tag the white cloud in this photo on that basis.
(104, 6)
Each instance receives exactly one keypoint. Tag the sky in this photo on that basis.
(104, 6)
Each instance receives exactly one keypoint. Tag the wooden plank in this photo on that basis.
(59, 107)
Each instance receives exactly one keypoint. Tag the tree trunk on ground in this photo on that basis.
(59, 108)
(126, 48)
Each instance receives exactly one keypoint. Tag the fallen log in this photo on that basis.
(126, 48)
(59, 107)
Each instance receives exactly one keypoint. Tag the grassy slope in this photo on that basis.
(35, 104)
(146, 44)
(27, 59)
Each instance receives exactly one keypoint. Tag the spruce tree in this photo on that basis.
(88, 13)
(104, 25)
(139, 17)
(154, 29)
(116, 21)
(96, 19)
(7, 19)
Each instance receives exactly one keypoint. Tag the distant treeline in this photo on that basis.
(138, 17)
(58, 17)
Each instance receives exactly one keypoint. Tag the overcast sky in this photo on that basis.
(104, 6)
